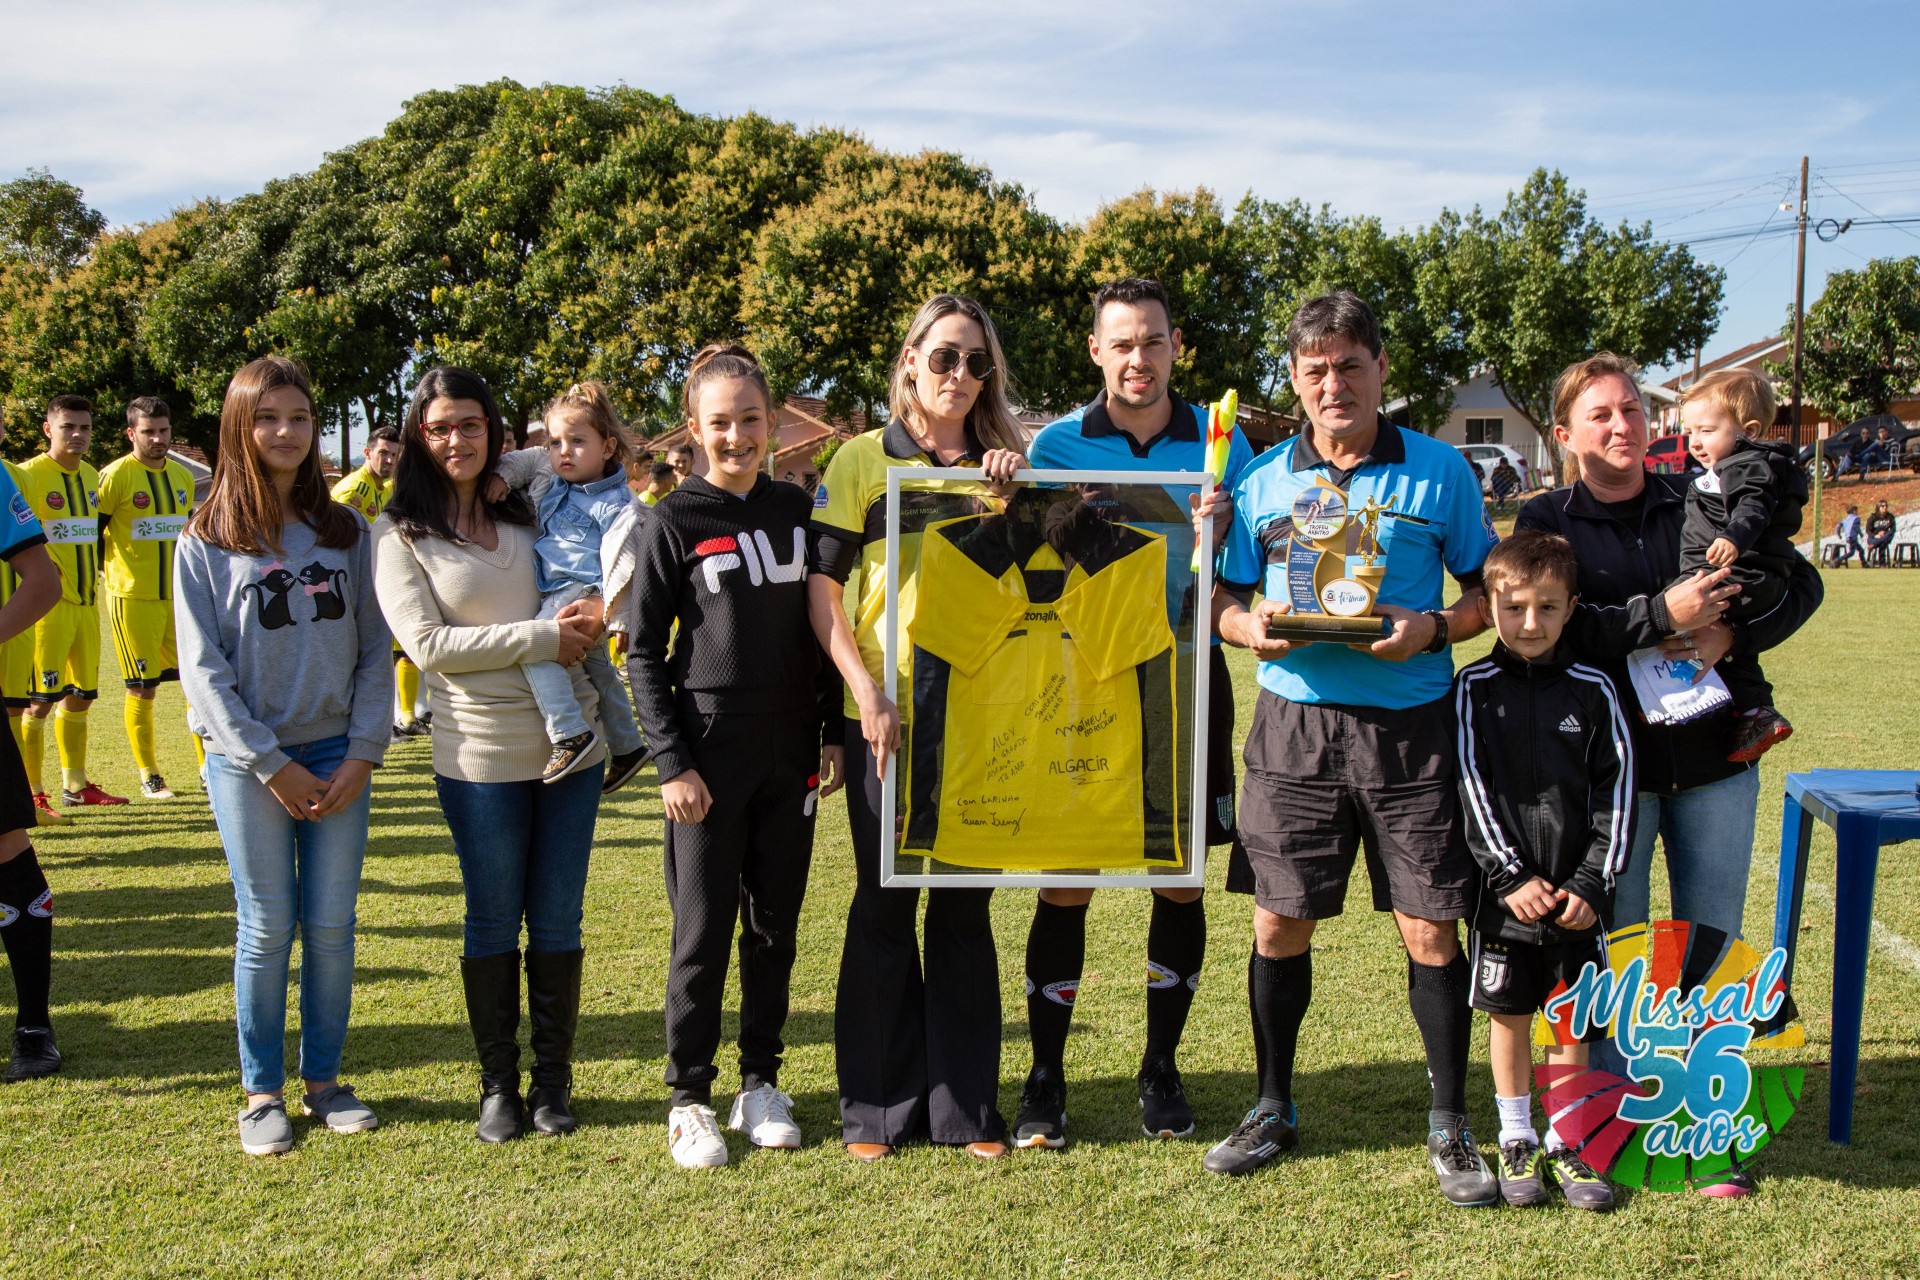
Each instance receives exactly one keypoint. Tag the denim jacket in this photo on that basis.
(574, 518)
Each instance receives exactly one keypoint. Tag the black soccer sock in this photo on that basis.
(1437, 995)
(26, 926)
(1056, 953)
(1176, 945)
(1278, 991)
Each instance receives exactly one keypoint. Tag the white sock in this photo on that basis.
(1554, 1141)
(1516, 1119)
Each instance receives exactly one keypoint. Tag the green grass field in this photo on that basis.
(128, 1164)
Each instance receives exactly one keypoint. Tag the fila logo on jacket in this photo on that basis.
(754, 552)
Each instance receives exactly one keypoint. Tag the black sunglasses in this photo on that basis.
(944, 360)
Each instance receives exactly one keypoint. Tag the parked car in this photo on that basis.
(1853, 437)
(1486, 457)
(1669, 457)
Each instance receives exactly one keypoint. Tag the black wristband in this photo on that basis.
(1439, 641)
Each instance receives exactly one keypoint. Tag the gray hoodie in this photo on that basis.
(280, 650)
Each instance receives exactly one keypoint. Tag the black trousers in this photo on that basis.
(917, 1049)
(748, 861)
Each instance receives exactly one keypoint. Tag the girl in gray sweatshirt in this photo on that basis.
(287, 668)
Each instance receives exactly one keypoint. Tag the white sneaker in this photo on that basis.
(765, 1115)
(693, 1136)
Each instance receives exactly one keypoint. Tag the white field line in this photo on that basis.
(1903, 952)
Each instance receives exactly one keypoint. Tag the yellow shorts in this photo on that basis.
(16, 670)
(66, 653)
(143, 641)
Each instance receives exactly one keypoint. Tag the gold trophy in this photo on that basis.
(1332, 598)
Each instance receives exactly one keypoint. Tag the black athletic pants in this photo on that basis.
(748, 860)
(918, 1050)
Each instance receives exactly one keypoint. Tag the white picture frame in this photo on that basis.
(1193, 874)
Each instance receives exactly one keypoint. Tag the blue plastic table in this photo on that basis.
(1866, 808)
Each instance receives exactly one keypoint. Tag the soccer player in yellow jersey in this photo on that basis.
(366, 489)
(145, 499)
(64, 493)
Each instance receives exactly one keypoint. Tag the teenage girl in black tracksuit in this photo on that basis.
(732, 711)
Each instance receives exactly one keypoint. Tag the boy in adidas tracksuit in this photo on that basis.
(1546, 779)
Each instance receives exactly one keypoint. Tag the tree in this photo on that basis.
(46, 223)
(1206, 263)
(1300, 253)
(81, 333)
(1542, 285)
(1861, 341)
(836, 281)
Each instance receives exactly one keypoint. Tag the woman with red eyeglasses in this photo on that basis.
(916, 1040)
(456, 577)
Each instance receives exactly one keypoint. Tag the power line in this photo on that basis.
(1895, 223)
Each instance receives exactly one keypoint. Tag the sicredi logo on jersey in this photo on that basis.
(753, 552)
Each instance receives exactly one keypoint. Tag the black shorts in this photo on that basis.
(1520, 977)
(1324, 782)
(1221, 784)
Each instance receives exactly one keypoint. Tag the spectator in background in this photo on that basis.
(681, 458)
(1880, 530)
(1506, 485)
(662, 480)
(1875, 452)
(1848, 532)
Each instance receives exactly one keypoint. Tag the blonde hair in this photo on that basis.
(1746, 396)
(589, 402)
(1577, 377)
(991, 418)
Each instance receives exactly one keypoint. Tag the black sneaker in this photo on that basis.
(1164, 1112)
(1523, 1180)
(621, 768)
(569, 754)
(1042, 1121)
(1757, 733)
(154, 787)
(1465, 1180)
(1260, 1137)
(1583, 1188)
(34, 1054)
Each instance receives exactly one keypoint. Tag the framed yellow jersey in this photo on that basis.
(68, 504)
(363, 491)
(1058, 712)
(143, 510)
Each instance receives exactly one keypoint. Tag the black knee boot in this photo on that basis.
(493, 1009)
(553, 1000)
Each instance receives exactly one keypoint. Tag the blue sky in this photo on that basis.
(1692, 115)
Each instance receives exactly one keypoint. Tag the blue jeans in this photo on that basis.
(552, 686)
(1707, 832)
(523, 849)
(288, 873)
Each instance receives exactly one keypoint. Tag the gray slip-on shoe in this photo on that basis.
(337, 1108)
(265, 1129)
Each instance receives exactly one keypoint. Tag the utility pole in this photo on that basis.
(1800, 300)
(1799, 316)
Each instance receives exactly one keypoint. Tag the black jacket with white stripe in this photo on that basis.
(1546, 778)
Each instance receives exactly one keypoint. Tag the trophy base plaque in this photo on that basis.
(1324, 629)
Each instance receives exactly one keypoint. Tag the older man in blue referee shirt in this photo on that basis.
(1351, 745)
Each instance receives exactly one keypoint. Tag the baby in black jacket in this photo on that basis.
(1743, 512)
(1546, 779)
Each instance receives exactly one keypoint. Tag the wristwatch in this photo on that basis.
(1439, 640)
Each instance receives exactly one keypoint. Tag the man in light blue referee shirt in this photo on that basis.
(1351, 746)
(1136, 423)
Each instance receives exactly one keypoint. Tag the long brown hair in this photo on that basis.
(243, 512)
(991, 418)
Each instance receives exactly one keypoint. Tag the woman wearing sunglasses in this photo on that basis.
(456, 577)
(917, 1043)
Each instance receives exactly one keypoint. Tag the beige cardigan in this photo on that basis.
(465, 615)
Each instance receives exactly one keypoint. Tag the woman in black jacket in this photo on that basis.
(732, 708)
(1624, 523)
